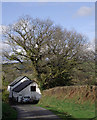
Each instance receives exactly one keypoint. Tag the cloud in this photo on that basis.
(92, 45)
(4, 46)
(84, 11)
(2, 27)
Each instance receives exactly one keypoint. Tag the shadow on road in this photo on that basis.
(31, 112)
(64, 116)
(21, 103)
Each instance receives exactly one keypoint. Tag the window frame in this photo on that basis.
(33, 88)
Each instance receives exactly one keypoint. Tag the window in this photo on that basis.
(33, 88)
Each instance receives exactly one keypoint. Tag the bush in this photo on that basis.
(5, 96)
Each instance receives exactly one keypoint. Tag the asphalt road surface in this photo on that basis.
(32, 112)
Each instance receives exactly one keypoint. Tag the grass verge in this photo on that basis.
(8, 113)
(68, 109)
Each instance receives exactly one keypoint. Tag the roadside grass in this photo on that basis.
(8, 113)
(68, 109)
(5, 96)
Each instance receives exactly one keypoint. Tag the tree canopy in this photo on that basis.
(52, 50)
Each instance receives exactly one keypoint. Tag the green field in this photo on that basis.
(68, 109)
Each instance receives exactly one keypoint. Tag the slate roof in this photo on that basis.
(22, 85)
(16, 80)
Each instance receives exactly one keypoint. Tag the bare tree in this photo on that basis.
(52, 51)
(28, 38)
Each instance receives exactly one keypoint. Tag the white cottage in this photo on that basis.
(23, 89)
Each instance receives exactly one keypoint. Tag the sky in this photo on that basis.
(79, 16)
(49, 1)
(70, 15)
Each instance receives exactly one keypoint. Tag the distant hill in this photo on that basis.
(84, 74)
(12, 70)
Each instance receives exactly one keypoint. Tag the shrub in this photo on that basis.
(5, 96)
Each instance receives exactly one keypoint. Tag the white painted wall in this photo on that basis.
(27, 92)
(8, 88)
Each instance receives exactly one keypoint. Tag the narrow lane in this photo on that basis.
(32, 112)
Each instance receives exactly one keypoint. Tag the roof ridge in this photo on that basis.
(17, 80)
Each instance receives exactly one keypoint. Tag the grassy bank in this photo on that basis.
(68, 109)
(8, 113)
